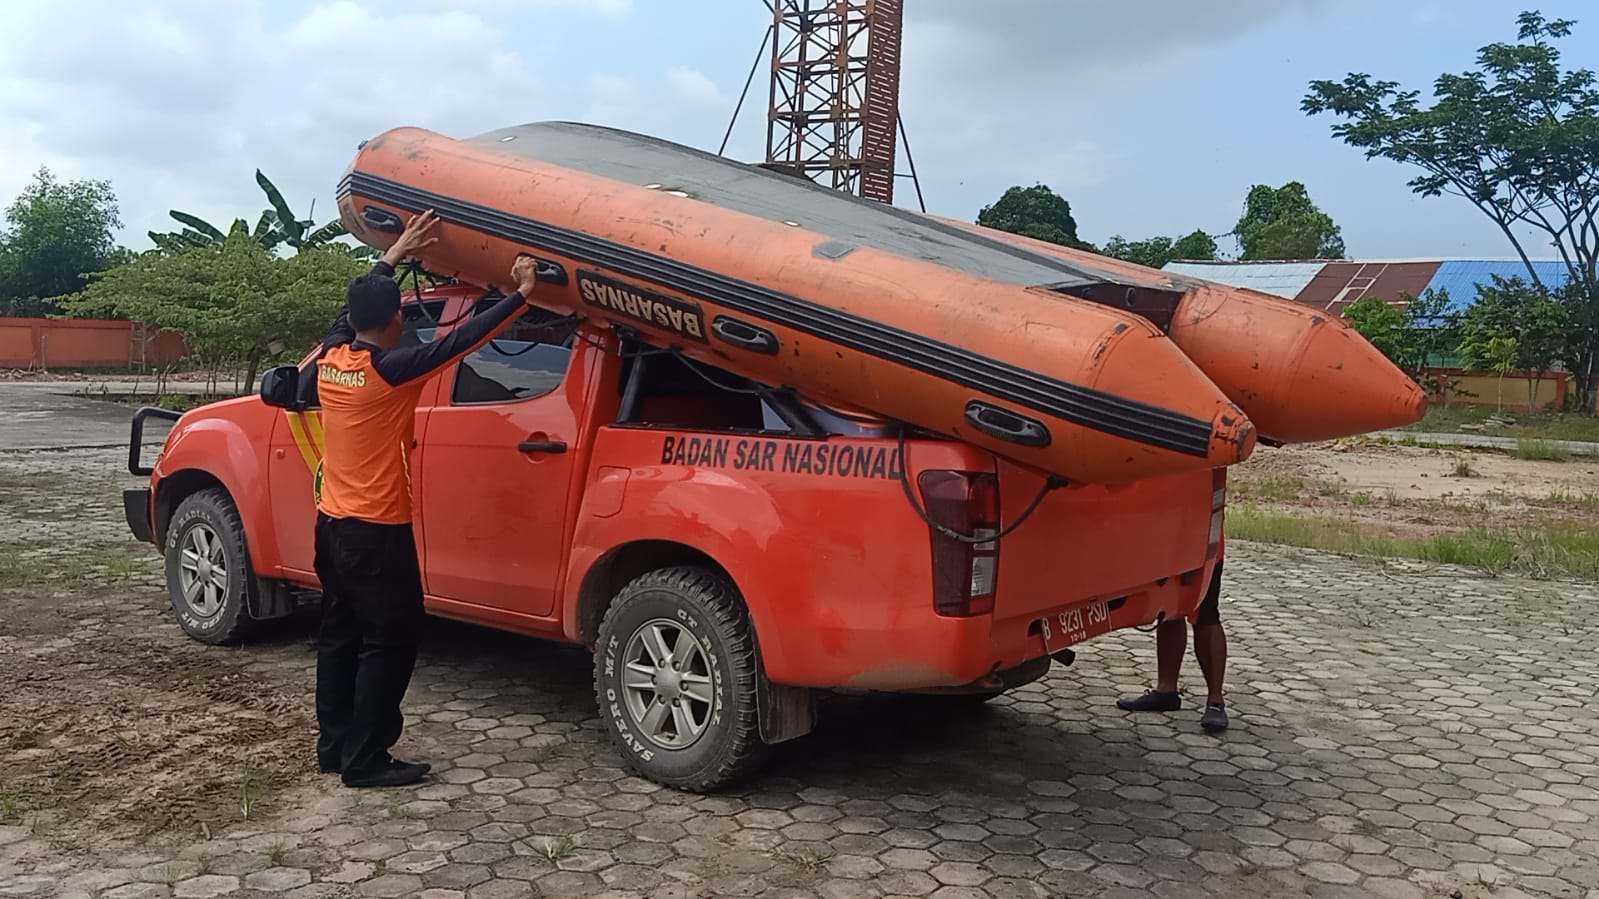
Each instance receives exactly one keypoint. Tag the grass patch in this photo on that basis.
(554, 849)
(1538, 450)
(1463, 469)
(1549, 549)
(1536, 426)
(1279, 488)
(802, 858)
(1569, 499)
(20, 569)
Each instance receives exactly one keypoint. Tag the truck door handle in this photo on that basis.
(542, 446)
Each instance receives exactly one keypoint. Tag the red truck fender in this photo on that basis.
(221, 450)
(650, 533)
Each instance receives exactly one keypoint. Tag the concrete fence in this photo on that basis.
(41, 344)
(1477, 388)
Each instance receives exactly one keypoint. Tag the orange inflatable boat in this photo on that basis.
(790, 284)
(1298, 373)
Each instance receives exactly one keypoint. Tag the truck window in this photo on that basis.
(674, 392)
(527, 360)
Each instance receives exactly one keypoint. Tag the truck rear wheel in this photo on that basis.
(209, 577)
(675, 677)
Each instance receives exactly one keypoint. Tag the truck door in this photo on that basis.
(296, 451)
(497, 467)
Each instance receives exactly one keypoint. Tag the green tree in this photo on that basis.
(1283, 223)
(232, 301)
(1413, 332)
(55, 233)
(1517, 137)
(1511, 312)
(276, 226)
(1197, 246)
(1382, 323)
(1156, 252)
(1036, 212)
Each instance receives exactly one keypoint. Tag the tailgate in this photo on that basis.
(1093, 541)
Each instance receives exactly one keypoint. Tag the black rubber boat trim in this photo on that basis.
(1084, 406)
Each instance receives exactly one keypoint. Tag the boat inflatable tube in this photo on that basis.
(1300, 374)
(850, 303)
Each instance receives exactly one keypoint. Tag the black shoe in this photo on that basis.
(1214, 721)
(395, 774)
(326, 768)
(1152, 701)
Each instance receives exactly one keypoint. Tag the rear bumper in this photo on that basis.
(136, 507)
(906, 647)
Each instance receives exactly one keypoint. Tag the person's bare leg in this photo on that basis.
(1171, 641)
(1210, 648)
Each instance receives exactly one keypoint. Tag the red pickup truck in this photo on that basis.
(725, 548)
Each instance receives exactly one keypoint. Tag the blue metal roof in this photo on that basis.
(1461, 277)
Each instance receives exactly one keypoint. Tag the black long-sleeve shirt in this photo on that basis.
(397, 366)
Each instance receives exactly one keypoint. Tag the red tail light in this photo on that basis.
(964, 572)
(1218, 511)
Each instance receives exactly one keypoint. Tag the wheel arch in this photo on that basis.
(174, 488)
(622, 564)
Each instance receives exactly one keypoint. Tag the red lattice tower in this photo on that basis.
(834, 109)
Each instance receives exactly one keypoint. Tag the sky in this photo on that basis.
(1149, 116)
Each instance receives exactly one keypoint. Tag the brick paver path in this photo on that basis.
(1398, 732)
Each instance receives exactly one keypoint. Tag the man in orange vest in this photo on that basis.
(368, 386)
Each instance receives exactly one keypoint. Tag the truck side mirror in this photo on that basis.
(280, 387)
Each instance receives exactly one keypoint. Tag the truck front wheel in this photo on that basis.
(208, 567)
(675, 676)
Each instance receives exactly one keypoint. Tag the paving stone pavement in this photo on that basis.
(1398, 731)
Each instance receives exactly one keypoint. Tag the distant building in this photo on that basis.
(1333, 284)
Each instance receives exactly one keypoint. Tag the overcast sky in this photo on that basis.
(1150, 116)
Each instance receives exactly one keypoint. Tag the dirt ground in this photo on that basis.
(111, 735)
(111, 728)
(1417, 489)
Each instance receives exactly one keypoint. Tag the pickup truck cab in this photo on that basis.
(724, 548)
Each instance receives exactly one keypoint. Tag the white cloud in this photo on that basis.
(693, 87)
(191, 97)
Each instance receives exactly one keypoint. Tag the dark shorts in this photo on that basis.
(1209, 611)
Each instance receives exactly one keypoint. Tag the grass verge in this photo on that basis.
(1545, 550)
(1535, 426)
(1537, 450)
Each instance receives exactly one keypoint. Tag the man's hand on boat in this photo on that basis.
(525, 272)
(416, 236)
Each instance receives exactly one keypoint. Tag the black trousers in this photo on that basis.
(366, 650)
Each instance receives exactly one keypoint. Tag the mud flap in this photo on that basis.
(271, 600)
(785, 712)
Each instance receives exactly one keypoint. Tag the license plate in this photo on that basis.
(1075, 625)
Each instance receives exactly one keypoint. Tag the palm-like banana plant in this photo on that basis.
(277, 226)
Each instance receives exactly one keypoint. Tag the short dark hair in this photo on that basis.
(374, 299)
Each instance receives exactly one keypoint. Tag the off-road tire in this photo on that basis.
(229, 623)
(707, 605)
